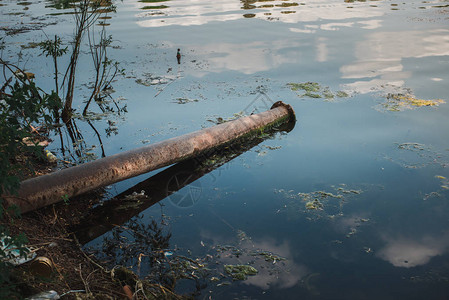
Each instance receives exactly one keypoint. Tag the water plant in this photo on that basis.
(400, 102)
(240, 272)
(315, 90)
(86, 13)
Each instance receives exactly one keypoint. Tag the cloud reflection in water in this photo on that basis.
(408, 253)
(280, 274)
(201, 12)
(380, 57)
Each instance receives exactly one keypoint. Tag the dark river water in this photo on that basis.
(352, 203)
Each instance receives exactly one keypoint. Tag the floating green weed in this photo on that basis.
(307, 86)
(155, 7)
(220, 120)
(240, 272)
(30, 45)
(268, 256)
(415, 155)
(286, 4)
(314, 204)
(185, 100)
(318, 204)
(342, 94)
(400, 102)
(311, 95)
(316, 91)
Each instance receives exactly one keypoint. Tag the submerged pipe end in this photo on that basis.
(291, 112)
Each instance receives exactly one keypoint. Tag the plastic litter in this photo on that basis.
(48, 295)
(13, 254)
(50, 156)
(42, 266)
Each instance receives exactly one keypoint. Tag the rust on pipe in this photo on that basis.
(44, 190)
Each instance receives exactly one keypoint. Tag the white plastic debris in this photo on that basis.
(13, 253)
(48, 295)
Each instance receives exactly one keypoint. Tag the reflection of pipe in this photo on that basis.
(123, 207)
(51, 188)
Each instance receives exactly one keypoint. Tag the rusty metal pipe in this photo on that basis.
(44, 190)
(120, 209)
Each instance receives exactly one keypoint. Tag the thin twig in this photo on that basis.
(88, 258)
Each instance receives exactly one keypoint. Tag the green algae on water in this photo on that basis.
(240, 272)
(401, 102)
(307, 86)
(415, 155)
(316, 91)
(318, 204)
(314, 204)
(286, 4)
(268, 256)
(341, 94)
(155, 7)
(152, 1)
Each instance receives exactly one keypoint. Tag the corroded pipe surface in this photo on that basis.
(48, 189)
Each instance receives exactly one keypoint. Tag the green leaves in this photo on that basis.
(53, 48)
(23, 106)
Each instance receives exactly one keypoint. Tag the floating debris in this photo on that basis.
(151, 79)
(444, 182)
(261, 153)
(401, 102)
(136, 196)
(351, 233)
(272, 148)
(240, 272)
(315, 90)
(431, 195)
(367, 250)
(185, 100)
